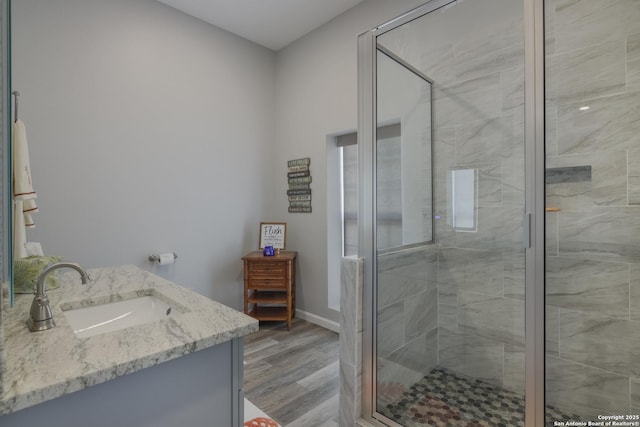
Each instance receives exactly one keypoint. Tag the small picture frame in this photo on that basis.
(273, 234)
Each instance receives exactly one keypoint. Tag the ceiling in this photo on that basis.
(271, 23)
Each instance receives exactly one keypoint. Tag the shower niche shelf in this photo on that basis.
(562, 175)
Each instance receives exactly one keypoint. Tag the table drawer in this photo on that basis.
(267, 281)
(268, 267)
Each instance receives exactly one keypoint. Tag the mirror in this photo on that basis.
(404, 206)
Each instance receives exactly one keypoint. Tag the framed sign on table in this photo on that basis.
(273, 234)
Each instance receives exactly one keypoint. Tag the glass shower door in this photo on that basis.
(592, 68)
(407, 288)
(448, 216)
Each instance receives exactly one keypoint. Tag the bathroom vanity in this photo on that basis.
(184, 369)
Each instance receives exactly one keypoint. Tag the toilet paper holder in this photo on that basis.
(156, 257)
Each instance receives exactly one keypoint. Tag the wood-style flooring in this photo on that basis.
(293, 376)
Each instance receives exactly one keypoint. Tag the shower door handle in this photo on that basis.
(526, 231)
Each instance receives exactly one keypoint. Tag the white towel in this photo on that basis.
(24, 195)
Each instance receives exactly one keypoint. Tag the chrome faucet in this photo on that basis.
(41, 318)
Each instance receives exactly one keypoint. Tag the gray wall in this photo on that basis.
(316, 89)
(228, 92)
(149, 131)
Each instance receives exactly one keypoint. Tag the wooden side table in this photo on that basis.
(270, 286)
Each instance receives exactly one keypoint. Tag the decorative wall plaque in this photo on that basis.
(299, 179)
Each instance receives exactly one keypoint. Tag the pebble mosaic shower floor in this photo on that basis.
(444, 398)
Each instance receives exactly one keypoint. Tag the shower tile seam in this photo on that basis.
(587, 257)
(486, 295)
(558, 231)
(630, 394)
(469, 249)
(438, 306)
(557, 53)
(504, 356)
(555, 120)
(627, 175)
(500, 88)
(573, 310)
(626, 63)
(629, 273)
(564, 359)
(571, 100)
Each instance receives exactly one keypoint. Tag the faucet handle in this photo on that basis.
(40, 318)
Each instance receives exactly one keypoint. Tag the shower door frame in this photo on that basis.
(534, 210)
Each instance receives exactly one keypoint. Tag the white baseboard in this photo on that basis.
(320, 321)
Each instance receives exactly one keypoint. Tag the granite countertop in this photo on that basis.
(39, 366)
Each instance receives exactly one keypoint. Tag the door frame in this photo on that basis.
(534, 209)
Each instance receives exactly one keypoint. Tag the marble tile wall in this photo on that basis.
(461, 301)
(350, 340)
(479, 119)
(593, 242)
(407, 316)
(449, 304)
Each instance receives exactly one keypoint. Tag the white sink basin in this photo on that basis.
(101, 318)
